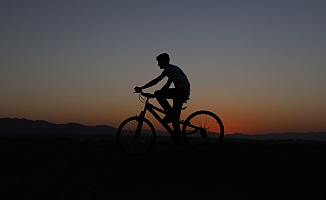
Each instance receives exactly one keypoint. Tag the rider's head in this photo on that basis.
(163, 60)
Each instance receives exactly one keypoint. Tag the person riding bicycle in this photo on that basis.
(180, 93)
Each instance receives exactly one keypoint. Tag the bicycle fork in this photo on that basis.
(140, 120)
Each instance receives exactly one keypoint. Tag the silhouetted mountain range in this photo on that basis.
(15, 126)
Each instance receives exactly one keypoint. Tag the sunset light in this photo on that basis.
(260, 66)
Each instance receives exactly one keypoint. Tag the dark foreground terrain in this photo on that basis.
(71, 169)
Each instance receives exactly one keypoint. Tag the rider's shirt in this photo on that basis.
(178, 78)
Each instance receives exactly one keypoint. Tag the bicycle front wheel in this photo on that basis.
(132, 143)
(203, 130)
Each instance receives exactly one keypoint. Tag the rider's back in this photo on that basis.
(177, 76)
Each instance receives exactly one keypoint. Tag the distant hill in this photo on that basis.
(15, 127)
(40, 128)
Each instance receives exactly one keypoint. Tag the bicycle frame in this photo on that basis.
(202, 130)
(151, 108)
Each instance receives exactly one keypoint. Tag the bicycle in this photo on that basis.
(201, 131)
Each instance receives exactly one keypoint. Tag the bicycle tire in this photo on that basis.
(132, 145)
(209, 132)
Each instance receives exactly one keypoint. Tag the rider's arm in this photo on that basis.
(167, 85)
(153, 82)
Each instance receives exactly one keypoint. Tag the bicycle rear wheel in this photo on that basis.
(132, 143)
(203, 130)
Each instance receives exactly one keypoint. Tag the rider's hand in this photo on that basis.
(138, 89)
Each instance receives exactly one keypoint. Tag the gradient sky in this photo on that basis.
(260, 65)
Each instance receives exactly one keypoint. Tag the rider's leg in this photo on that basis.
(179, 99)
(171, 93)
(162, 96)
(176, 134)
(178, 96)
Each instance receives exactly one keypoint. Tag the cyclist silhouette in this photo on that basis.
(179, 94)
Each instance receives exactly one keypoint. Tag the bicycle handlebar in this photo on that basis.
(148, 95)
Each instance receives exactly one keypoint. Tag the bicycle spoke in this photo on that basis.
(134, 144)
(210, 130)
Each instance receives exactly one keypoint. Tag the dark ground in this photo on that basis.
(72, 169)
